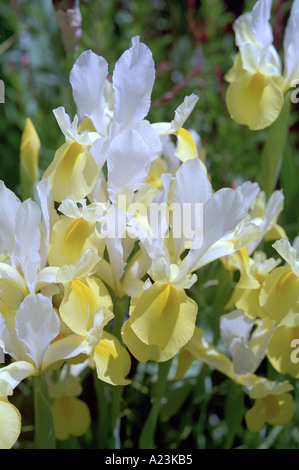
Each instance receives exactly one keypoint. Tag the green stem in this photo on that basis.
(104, 406)
(109, 397)
(44, 437)
(146, 440)
(272, 154)
(120, 310)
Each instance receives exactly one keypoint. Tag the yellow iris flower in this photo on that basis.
(273, 404)
(253, 272)
(71, 416)
(255, 94)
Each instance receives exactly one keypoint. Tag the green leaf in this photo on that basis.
(272, 154)
(176, 394)
(234, 412)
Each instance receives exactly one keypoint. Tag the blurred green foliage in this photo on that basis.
(192, 44)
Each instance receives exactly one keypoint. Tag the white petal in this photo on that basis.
(150, 138)
(9, 205)
(129, 160)
(182, 113)
(261, 29)
(254, 27)
(235, 324)
(191, 189)
(191, 183)
(133, 80)
(288, 253)
(87, 78)
(249, 192)
(69, 208)
(291, 47)
(70, 130)
(44, 193)
(86, 266)
(15, 372)
(37, 324)
(28, 241)
(221, 214)
(244, 360)
(62, 349)
(116, 261)
(99, 150)
(10, 343)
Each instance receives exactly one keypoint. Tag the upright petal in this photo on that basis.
(87, 78)
(133, 80)
(28, 241)
(291, 47)
(260, 26)
(9, 205)
(254, 27)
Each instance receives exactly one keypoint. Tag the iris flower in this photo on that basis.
(257, 83)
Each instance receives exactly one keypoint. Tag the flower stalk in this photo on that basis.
(148, 432)
(44, 437)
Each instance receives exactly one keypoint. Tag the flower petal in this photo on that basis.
(255, 100)
(163, 316)
(10, 424)
(133, 80)
(112, 360)
(37, 324)
(87, 79)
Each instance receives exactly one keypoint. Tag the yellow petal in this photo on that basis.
(82, 298)
(163, 316)
(275, 233)
(247, 280)
(112, 361)
(73, 172)
(70, 416)
(256, 417)
(280, 350)
(157, 169)
(70, 238)
(273, 409)
(10, 424)
(186, 148)
(254, 99)
(185, 359)
(280, 293)
(248, 301)
(141, 351)
(236, 70)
